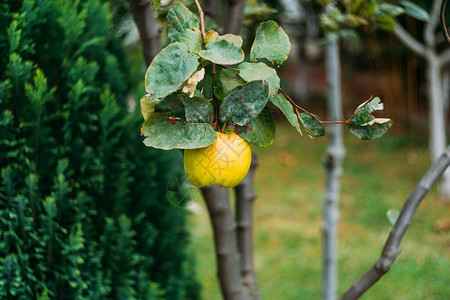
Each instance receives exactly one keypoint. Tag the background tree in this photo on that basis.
(435, 61)
(83, 209)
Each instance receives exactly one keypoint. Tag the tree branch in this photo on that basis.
(245, 196)
(391, 247)
(202, 18)
(443, 25)
(408, 40)
(430, 26)
(148, 28)
(225, 241)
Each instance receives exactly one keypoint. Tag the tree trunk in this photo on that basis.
(213, 9)
(227, 255)
(149, 30)
(333, 166)
(446, 90)
(437, 117)
(436, 112)
(245, 195)
(235, 16)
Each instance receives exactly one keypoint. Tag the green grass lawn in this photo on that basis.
(378, 175)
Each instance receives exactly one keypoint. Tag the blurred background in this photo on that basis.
(88, 212)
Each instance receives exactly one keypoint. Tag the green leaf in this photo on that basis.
(226, 80)
(312, 125)
(415, 11)
(363, 112)
(244, 103)
(392, 215)
(147, 106)
(371, 130)
(271, 42)
(206, 85)
(364, 125)
(192, 38)
(260, 131)
(192, 110)
(222, 52)
(287, 109)
(162, 134)
(156, 4)
(232, 38)
(198, 110)
(179, 18)
(260, 71)
(386, 22)
(391, 9)
(171, 106)
(170, 69)
(351, 36)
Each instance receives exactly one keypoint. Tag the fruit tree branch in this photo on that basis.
(430, 26)
(202, 18)
(391, 247)
(444, 27)
(408, 40)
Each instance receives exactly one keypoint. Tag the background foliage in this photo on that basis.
(83, 203)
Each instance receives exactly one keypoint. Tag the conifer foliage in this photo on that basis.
(83, 206)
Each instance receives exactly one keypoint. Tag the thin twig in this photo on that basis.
(297, 106)
(444, 27)
(391, 247)
(305, 111)
(202, 19)
(334, 122)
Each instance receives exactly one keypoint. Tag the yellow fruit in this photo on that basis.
(224, 163)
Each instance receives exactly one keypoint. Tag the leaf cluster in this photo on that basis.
(342, 17)
(201, 83)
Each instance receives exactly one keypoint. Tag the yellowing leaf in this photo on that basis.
(147, 106)
(191, 83)
(211, 36)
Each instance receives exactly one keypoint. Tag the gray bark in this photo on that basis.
(225, 242)
(446, 89)
(391, 247)
(245, 195)
(436, 102)
(333, 165)
(149, 30)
